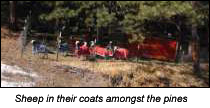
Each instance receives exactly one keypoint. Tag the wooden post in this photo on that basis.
(57, 53)
(58, 44)
(23, 37)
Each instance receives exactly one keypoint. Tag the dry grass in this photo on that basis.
(148, 74)
(50, 76)
(103, 73)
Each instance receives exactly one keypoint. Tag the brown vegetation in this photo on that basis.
(102, 73)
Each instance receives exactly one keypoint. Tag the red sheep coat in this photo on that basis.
(84, 50)
(121, 53)
(102, 51)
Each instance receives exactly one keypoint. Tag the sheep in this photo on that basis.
(39, 48)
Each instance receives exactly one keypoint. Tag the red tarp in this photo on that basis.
(157, 48)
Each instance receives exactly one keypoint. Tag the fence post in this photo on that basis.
(58, 44)
(23, 37)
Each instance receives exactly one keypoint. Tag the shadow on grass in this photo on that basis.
(149, 61)
(203, 75)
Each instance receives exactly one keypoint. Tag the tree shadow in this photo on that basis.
(203, 75)
(165, 81)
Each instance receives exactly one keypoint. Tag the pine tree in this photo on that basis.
(13, 19)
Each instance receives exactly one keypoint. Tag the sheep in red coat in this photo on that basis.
(120, 53)
(101, 51)
(84, 50)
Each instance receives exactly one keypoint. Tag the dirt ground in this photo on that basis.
(76, 72)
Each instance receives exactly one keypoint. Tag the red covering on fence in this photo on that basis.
(153, 47)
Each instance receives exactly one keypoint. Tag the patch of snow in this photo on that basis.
(17, 84)
(15, 70)
(4, 77)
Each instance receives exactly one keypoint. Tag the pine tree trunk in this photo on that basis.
(179, 42)
(110, 12)
(195, 49)
(178, 50)
(208, 35)
(195, 45)
(13, 19)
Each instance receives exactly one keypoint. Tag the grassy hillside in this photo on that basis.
(72, 71)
